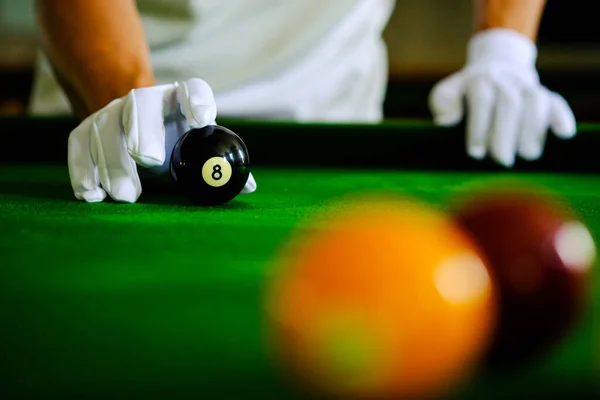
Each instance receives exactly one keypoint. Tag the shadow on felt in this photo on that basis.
(176, 199)
(153, 193)
(159, 193)
(38, 189)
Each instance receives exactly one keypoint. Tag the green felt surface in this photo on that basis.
(160, 298)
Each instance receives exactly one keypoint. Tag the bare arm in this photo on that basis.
(97, 48)
(520, 15)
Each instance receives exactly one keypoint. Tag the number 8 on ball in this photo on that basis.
(216, 171)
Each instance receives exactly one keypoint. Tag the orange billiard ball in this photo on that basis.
(382, 298)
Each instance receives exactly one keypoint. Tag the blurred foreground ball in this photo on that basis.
(541, 257)
(383, 298)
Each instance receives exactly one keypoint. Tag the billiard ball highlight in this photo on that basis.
(381, 298)
(541, 258)
(210, 165)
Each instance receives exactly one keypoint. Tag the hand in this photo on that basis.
(139, 129)
(509, 111)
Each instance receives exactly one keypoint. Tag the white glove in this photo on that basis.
(509, 111)
(140, 128)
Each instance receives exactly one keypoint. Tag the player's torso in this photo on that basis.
(243, 47)
(309, 59)
(241, 37)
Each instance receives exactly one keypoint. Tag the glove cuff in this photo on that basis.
(502, 45)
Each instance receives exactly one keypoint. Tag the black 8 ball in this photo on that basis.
(210, 166)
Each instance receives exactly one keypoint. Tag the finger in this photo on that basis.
(174, 130)
(197, 102)
(250, 186)
(507, 124)
(83, 171)
(562, 121)
(481, 96)
(144, 113)
(534, 131)
(116, 169)
(446, 100)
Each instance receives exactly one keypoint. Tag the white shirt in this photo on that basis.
(309, 60)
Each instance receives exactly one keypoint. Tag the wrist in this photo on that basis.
(530, 34)
(522, 16)
(108, 87)
(501, 44)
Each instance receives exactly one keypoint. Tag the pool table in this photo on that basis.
(160, 299)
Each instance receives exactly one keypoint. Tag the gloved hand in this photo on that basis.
(509, 111)
(140, 128)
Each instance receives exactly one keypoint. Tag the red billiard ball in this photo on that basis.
(541, 256)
